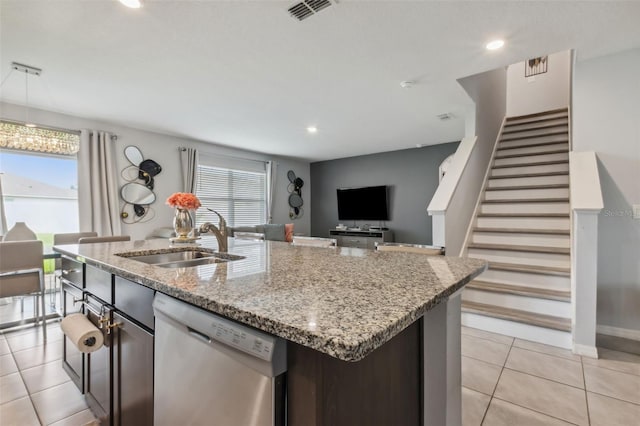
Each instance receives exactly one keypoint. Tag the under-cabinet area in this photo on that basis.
(117, 378)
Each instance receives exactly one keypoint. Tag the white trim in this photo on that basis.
(585, 350)
(625, 333)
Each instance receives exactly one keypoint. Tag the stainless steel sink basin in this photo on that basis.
(182, 259)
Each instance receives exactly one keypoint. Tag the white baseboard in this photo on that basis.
(625, 333)
(585, 350)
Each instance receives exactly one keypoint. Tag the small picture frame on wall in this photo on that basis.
(536, 66)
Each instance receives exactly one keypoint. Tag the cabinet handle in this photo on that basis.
(70, 271)
(111, 325)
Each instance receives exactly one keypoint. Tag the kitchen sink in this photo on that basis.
(181, 259)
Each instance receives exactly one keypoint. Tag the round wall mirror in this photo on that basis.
(136, 193)
(134, 155)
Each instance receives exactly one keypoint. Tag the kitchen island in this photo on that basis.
(370, 333)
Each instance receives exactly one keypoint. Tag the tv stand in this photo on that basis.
(361, 238)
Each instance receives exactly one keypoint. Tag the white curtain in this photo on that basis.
(189, 163)
(3, 217)
(272, 174)
(98, 197)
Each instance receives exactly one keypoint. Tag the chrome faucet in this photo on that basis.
(219, 231)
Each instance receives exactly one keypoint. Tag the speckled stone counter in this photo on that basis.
(344, 302)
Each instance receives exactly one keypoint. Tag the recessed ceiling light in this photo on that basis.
(133, 4)
(495, 44)
(312, 129)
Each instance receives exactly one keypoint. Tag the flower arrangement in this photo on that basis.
(184, 200)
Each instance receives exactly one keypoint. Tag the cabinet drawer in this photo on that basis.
(134, 300)
(349, 241)
(71, 271)
(98, 282)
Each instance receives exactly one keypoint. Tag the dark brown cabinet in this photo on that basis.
(72, 359)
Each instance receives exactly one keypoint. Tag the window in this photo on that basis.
(40, 190)
(237, 191)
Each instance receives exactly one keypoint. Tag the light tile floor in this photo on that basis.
(509, 381)
(505, 381)
(34, 389)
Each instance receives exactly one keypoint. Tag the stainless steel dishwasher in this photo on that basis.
(213, 371)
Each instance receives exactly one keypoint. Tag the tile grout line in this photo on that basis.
(543, 378)
(484, 415)
(536, 411)
(33, 406)
(584, 382)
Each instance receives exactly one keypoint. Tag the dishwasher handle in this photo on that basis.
(198, 335)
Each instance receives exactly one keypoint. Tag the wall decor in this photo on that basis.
(295, 195)
(536, 66)
(138, 196)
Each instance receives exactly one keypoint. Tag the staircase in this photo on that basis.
(522, 228)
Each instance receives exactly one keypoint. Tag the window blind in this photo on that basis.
(238, 195)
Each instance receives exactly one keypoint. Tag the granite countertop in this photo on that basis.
(345, 302)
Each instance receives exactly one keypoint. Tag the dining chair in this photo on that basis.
(249, 236)
(112, 239)
(314, 241)
(410, 248)
(71, 237)
(22, 273)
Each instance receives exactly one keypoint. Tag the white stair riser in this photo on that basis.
(522, 257)
(549, 282)
(531, 159)
(549, 168)
(519, 142)
(525, 208)
(534, 305)
(519, 194)
(554, 116)
(530, 126)
(535, 132)
(526, 222)
(522, 181)
(539, 240)
(561, 339)
(536, 149)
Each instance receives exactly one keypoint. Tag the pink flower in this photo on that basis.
(184, 200)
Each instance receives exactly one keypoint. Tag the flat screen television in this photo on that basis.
(368, 203)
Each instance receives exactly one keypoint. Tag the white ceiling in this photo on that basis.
(246, 74)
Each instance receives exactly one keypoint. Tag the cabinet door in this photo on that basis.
(133, 374)
(98, 371)
(72, 358)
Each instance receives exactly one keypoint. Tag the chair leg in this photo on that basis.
(42, 302)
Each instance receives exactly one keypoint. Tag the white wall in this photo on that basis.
(488, 91)
(164, 150)
(542, 92)
(606, 119)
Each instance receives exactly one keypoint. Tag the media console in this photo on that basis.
(361, 239)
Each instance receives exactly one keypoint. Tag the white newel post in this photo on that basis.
(586, 204)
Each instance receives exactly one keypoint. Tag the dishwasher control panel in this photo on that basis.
(246, 340)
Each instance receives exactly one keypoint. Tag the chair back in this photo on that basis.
(410, 248)
(115, 238)
(314, 241)
(71, 238)
(249, 236)
(19, 256)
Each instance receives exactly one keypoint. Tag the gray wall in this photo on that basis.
(164, 149)
(412, 177)
(606, 112)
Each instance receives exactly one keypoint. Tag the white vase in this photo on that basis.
(20, 232)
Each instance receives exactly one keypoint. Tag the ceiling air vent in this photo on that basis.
(446, 116)
(306, 8)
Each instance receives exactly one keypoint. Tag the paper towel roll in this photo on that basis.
(82, 333)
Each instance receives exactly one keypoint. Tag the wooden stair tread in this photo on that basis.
(541, 124)
(520, 215)
(523, 175)
(541, 127)
(528, 200)
(530, 249)
(533, 144)
(523, 231)
(541, 293)
(540, 320)
(537, 163)
(540, 119)
(537, 114)
(541, 270)
(525, 187)
(532, 154)
(540, 135)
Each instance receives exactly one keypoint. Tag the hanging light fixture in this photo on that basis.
(29, 137)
